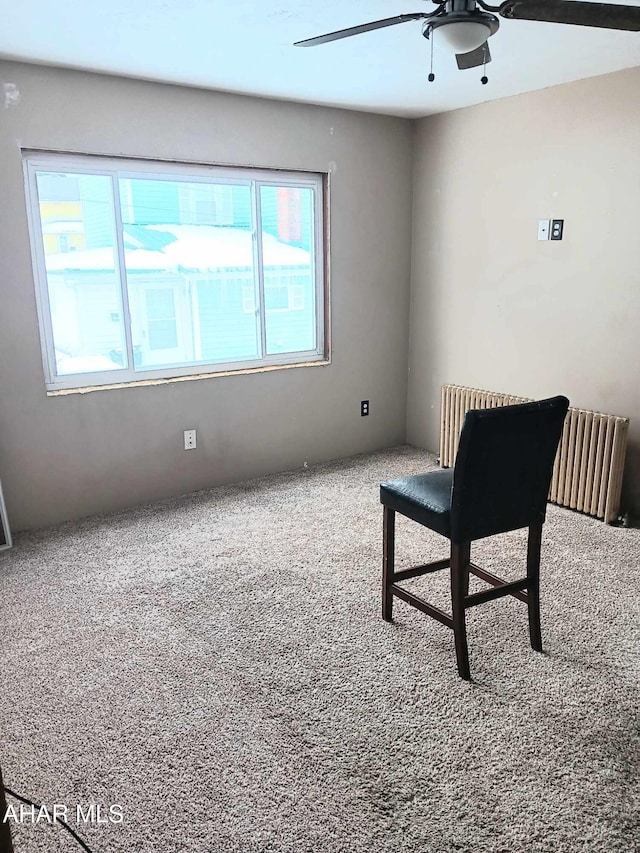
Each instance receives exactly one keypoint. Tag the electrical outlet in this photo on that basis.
(364, 408)
(557, 226)
(189, 439)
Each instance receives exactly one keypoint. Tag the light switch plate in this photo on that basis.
(543, 229)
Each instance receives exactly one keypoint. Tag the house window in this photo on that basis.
(276, 298)
(161, 315)
(155, 270)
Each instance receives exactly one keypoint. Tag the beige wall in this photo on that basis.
(64, 457)
(492, 307)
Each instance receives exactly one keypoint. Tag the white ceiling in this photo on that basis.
(247, 46)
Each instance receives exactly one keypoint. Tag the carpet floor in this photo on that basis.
(216, 667)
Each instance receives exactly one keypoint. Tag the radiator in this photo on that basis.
(587, 473)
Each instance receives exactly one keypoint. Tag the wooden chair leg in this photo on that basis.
(388, 547)
(460, 556)
(6, 845)
(533, 573)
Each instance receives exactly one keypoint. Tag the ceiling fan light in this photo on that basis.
(464, 36)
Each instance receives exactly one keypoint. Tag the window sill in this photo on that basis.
(87, 389)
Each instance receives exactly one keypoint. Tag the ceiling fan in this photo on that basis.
(466, 25)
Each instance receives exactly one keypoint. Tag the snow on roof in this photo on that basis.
(63, 226)
(196, 247)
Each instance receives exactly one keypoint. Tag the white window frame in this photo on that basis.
(118, 168)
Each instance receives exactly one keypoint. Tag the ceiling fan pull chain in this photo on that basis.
(484, 79)
(431, 76)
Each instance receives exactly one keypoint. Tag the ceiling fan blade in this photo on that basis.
(605, 15)
(363, 28)
(480, 56)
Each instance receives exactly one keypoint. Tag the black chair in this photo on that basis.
(500, 482)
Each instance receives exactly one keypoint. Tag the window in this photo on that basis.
(154, 270)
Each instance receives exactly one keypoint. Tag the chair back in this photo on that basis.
(503, 467)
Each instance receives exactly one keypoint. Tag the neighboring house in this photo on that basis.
(62, 226)
(191, 293)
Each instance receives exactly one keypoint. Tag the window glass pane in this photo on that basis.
(78, 234)
(189, 257)
(289, 293)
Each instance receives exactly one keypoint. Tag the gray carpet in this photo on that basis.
(217, 666)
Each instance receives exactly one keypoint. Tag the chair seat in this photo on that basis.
(425, 498)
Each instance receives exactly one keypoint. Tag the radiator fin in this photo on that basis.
(588, 468)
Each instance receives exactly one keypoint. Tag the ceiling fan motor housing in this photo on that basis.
(460, 5)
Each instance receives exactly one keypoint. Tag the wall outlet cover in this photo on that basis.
(557, 227)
